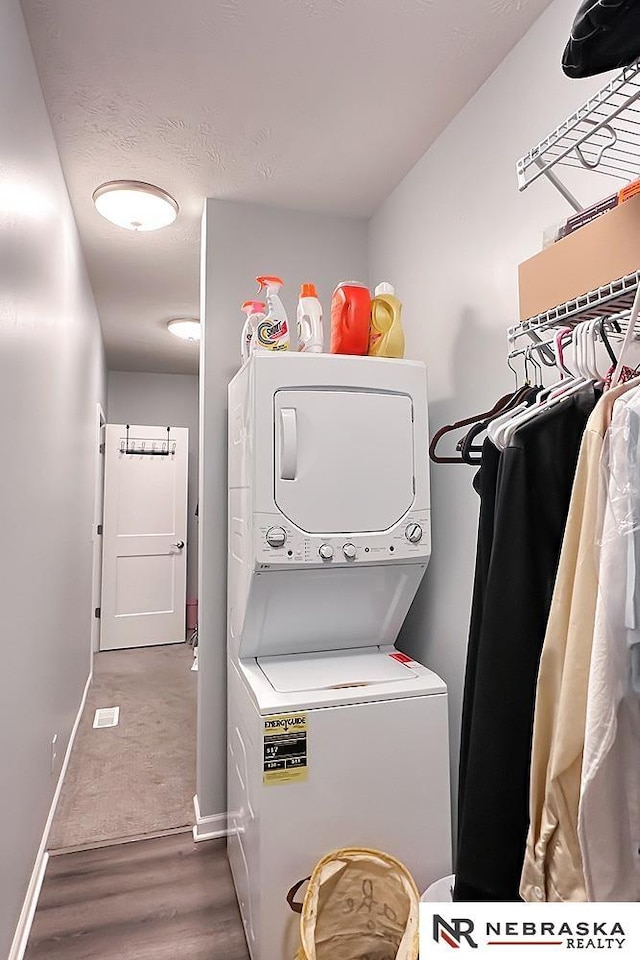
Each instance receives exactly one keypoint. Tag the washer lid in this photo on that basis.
(335, 670)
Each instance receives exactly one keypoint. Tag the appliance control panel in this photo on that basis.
(278, 543)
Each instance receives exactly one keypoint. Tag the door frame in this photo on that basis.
(96, 537)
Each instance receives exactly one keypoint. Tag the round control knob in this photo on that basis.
(413, 533)
(276, 537)
(326, 551)
(349, 551)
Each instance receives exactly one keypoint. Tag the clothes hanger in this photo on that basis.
(523, 398)
(451, 427)
(495, 428)
(629, 342)
(601, 324)
(570, 384)
(573, 386)
(588, 357)
(594, 335)
(563, 337)
(581, 350)
(558, 353)
(472, 454)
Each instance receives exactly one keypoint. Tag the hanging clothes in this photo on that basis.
(531, 501)
(553, 865)
(485, 484)
(609, 808)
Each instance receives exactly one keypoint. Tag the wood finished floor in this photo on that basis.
(151, 900)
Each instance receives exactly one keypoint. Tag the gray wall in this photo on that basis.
(163, 399)
(450, 238)
(240, 242)
(51, 378)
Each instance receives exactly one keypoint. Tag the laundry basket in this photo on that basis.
(359, 903)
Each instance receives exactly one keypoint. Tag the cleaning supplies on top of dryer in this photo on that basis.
(309, 319)
(273, 331)
(386, 337)
(254, 310)
(350, 318)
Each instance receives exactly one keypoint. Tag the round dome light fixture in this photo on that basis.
(185, 327)
(135, 205)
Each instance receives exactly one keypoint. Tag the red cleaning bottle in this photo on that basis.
(350, 318)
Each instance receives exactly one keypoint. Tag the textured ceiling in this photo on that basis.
(314, 104)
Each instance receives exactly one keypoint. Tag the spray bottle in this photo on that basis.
(309, 318)
(254, 310)
(272, 332)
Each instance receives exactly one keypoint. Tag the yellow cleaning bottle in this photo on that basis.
(386, 336)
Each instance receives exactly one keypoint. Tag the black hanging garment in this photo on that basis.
(485, 484)
(605, 36)
(518, 555)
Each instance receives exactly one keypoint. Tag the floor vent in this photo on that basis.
(106, 717)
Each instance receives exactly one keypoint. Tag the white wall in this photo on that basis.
(51, 378)
(450, 237)
(241, 241)
(169, 400)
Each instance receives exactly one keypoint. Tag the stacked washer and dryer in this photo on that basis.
(335, 738)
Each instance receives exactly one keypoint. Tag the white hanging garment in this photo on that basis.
(609, 809)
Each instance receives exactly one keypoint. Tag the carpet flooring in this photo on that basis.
(152, 900)
(138, 778)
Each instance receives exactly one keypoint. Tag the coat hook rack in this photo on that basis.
(137, 446)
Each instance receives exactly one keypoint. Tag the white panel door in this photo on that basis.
(344, 459)
(144, 537)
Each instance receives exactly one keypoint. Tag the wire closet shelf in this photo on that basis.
(611, 300)
(603, 136)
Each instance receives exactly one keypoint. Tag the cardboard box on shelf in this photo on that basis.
(604, 250)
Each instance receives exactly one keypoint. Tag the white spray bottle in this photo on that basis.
(254, 310)
(273, 331)
(309, 318)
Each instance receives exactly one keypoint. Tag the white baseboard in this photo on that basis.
(25, 920)
(209, 828)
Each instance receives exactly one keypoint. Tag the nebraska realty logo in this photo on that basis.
(459, 932)
(453, 932)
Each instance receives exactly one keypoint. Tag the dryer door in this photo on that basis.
(344, 459)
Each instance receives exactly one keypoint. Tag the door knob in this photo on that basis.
(179, 544)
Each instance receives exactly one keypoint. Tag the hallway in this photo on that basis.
(138, 778)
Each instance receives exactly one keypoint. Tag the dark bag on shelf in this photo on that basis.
(605, 36)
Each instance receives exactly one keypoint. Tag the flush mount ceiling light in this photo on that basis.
(185, 328)
(135, 205)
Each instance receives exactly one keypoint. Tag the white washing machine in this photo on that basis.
(335, 738)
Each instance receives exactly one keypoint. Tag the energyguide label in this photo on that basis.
(285, 748)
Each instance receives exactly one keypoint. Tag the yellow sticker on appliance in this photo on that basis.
(285, 748)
